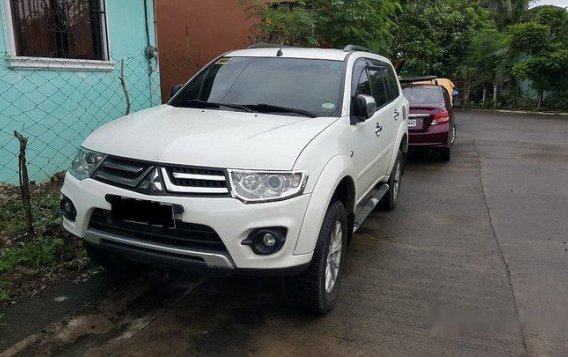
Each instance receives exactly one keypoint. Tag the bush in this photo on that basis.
(556, 101)
(35, 254)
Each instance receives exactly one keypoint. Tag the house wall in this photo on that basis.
(57, 108)
(193, 32)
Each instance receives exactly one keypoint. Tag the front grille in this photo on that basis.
(177, 179)
(195, 180)
(185, 235)
(122, 171)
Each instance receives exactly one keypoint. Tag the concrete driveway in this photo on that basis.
(474, 261)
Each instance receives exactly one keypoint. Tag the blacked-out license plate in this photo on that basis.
(139, 211)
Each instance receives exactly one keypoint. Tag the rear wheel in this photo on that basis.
(318, 287)
(390, 199)
(453, 135)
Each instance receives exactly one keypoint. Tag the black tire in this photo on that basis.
(309, 287)
(454, 134)
(112, 263)
(445, 154)
(390, 200)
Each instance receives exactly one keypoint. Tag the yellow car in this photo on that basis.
(443, 82)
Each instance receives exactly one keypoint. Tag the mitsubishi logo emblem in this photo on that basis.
(153, 181)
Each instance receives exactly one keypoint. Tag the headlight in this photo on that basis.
(261, 186)
(85, 163)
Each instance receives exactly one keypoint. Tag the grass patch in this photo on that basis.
(34, 254)
(4, 292)
(31, 264)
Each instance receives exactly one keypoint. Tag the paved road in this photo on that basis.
(473, 262)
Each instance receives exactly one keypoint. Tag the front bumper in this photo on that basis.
(230, 218)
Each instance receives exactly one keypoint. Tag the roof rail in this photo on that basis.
(266, 45)
(350, 48)
(418, 79)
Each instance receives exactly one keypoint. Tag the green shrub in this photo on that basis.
(35, 254)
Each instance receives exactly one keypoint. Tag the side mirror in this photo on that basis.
(175, 89)
(365, 105)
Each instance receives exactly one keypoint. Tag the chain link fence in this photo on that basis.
(58, 105)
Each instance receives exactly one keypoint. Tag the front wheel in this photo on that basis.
(317, 288)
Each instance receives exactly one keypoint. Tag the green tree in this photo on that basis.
(285, 24)
(541, 50)
(362, 22)
(487, 62)
(322, 22)
(434, 36)
(506, 12)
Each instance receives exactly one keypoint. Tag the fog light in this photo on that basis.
(68, 209)
(266, 241)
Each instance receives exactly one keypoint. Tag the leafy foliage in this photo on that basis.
(506, 12)
(284, 24)
(542, 49)
(434, 36)
(333, 23)
(362, 22)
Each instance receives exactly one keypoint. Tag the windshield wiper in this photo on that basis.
(195, 103)
(269, 108)
(198, 103)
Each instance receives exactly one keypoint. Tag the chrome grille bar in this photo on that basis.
(171, 187)
(123, 167)
(181, 175)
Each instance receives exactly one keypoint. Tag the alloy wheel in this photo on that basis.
(334, 256)
(396, 181)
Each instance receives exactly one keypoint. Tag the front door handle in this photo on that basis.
(378, 129)
(396, 115)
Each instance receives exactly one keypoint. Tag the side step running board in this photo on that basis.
(372, 202)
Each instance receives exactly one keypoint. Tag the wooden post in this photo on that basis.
(495, 96)
(124, 88)
(25, 184)
(484, 97)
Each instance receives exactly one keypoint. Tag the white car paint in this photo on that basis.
(328, 149)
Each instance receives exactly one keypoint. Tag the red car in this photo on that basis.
(431, 123)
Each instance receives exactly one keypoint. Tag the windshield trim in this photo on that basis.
(337, 113)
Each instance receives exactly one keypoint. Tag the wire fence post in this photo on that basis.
(124, 88)
(25, 184)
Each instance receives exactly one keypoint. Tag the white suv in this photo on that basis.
(266, 161)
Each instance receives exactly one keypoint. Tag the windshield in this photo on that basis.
(423, 95)
(276, 85)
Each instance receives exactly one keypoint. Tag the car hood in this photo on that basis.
(211, 138)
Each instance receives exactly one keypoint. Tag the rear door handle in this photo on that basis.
(378, 129)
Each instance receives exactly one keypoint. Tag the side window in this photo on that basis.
(392, 83)
(379, 87)
(363, 85)
(447, 98)
(358, 69)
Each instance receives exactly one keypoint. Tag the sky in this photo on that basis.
(562, 3)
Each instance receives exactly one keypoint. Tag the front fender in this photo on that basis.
(335, 170)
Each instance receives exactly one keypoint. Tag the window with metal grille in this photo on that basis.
(74, 29)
